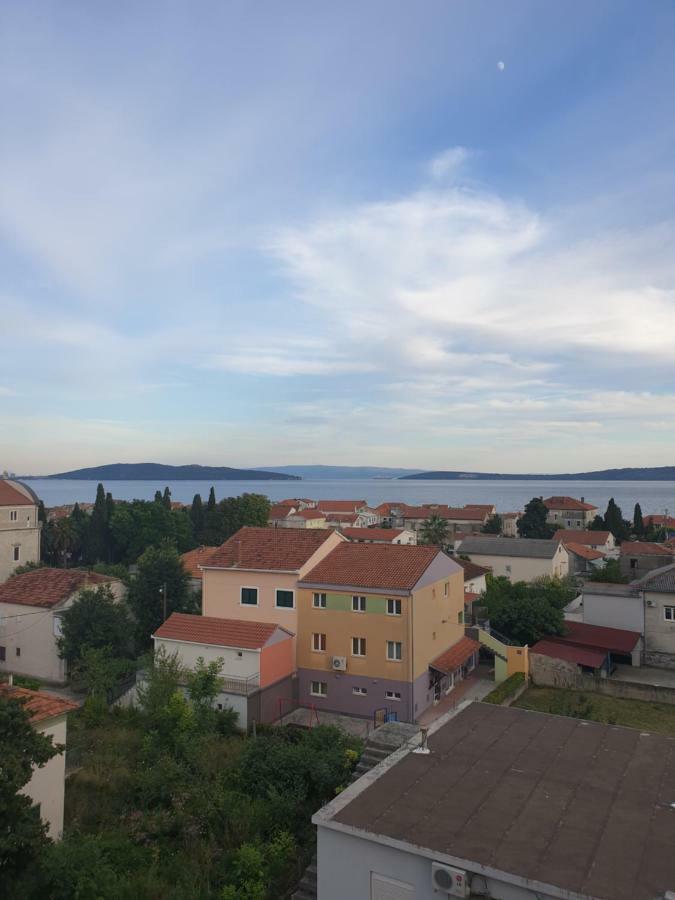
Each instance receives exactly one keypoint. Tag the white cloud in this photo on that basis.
(448, 162)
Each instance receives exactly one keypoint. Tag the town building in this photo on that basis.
(583, 560)
(518, 559)
(48, 715)
(509, 804)
(660, 521)
(254, 575)
(475, 585)
(466, 519)
(258, 660)
(510, 523)
(380, 535)
(19, 527)
(592, 649)
(192, 563)
(657, 590)
(348, 513)
(31, 606)
(566, 512)
(603, 541)
(375, 624)
(637, 558)
(283, 516)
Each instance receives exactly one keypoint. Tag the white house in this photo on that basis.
(519, 559)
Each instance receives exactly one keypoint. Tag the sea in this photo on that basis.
(507, 496)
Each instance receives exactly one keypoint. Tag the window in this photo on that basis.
(58, 630)
(392, 695)
(285, 599)
(460, 618)
(358, 604)
(394, 651)
(361, 692)
(17, 554)
(319, 601)
(249, 596)
(393, 607)
(239, 653)
(633, 563)
(13, 515)
(319, 642)
(3, 654)
(18, 651)
(669, 613)
(358, 646)
(319, 689)
(446, 587)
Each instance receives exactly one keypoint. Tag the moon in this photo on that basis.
(501, 65)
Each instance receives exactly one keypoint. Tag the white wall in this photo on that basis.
(517, 568)
(240, 666)
(612, 611)
(659, 633)
(47, 785)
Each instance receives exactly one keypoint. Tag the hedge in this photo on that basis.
(506, 689)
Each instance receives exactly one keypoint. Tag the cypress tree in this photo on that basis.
(197, 517)
(97, 532)
(211, 504)
(638, 524)
(614, 521)
(158, 496)
(166, 498)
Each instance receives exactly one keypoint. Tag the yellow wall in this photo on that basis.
(436, 620)
(518, 660)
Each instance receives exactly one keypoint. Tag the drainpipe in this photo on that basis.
(411, 629)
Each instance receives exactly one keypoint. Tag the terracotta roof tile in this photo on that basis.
(220, 632)
(10, 496)
(378, 566)
(664, 521)
(193, 559)
(460, 514)
(280, 511)
(308, 514)
(616, 640)
(284, 549)
(579, 536)
(583, 656)
(644, 548)
(584, 552)
(39, 704)
(372, 534)
(456, 655)
(567, 503)
(471, 569)
(341, 506)
(48, 587)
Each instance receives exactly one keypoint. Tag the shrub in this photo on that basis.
(506, 689)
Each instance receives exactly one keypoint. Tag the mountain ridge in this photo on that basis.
(163, 472)
(647, 473)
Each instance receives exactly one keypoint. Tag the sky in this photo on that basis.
(436, 235)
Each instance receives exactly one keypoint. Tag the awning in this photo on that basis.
(455, 656)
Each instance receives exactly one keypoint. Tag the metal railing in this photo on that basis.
(500, 637)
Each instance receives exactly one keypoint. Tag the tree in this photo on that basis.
(23, 836)
(64, 541)
(159, 569)
(197, 518)
(533, 524)
(435, 531)
(598, 523)
(166, 497)
(493, 525)
(638, 523)
(95, 620)
(158, 496)
(615, 522)
(527, 612)
(140, 524)
(97, 541)
(609, 572)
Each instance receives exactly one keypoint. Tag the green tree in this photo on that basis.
(236, 512)
(213, 530)
(598, 524)
(615, 522)
(197, 518)
(434, 531)
(638, 523)
(23, 836)
(159, 569)
(27, 567)
(609, 572)
(140, 524)
(158, 496)
(65, 541)
(166, 497)
(533, 524)
(493, 525)
(97, 541)
(95, 620)
(527, 612)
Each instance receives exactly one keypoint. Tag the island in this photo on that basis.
(165, 473)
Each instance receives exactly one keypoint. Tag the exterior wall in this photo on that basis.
(509, 526)
(37, 643)
(266, 705)
(636, 566)
(659, 633)
(517, 568)
(341, 698)
(221, 594)
(438, 618)
(517, 660)
(277, 661)
(412, 871)
(240, 666)
(476, 585)
(24, 534)
(576, 519)
(613, 610)
(47, 784)
(301, 522)
(238, 702)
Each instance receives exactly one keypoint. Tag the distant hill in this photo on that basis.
(160, 472)
(335, 473)
(658, 473)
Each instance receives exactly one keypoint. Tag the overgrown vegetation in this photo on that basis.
(528, 611)
(656, 717)
(172, 801)
(506, 689)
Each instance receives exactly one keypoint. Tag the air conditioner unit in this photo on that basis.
(339, 663)
(651, 602)
(450, 881)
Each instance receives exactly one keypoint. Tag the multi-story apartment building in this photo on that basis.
(19, 527)
(376, 624)
(254, 575)
(566, 512)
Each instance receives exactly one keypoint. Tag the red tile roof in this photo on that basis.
(644, 548)
(665, 521)
(39, 704)
(584, 552)
(463, 514)
(216, 631)
(309, 514)
(341, 506)
(579, 536)
(281, 549)
(47, 587)
(194, 558)
(280, 510)
(378, 566)
(372, 534)
(567, 503)
(616, 640)
(582, 656)
(11, 496)
(471, 569)
(471, 596)
(456, 655)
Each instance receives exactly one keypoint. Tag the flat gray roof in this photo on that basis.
(526, 547)
(584, 807)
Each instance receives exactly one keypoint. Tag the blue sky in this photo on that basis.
(266, 233)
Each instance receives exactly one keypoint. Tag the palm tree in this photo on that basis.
(435, 531)
(64, 538)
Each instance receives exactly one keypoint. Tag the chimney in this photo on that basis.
(583, 500)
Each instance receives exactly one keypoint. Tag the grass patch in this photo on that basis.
(506, 689)
(656, 717)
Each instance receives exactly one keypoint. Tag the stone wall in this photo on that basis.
(660, 660)
(548, 672)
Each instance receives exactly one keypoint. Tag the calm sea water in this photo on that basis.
(653, 496)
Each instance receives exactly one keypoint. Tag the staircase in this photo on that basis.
(383, 741)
